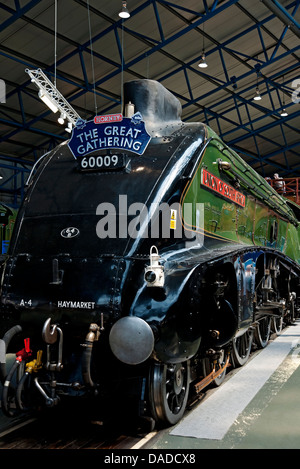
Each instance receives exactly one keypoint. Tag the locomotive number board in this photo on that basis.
(222, 188)
(102, 162)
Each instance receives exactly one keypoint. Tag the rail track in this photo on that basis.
(73, 428)
(70, 432)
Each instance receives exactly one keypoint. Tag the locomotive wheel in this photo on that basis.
(209, 365)
(168, 391)
(262, 331)
(291, 312)
(241, 348)
(219, 380)
(277, 324)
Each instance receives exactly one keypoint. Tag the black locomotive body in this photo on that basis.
(110, 281)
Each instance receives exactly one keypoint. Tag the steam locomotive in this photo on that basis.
(146, 257)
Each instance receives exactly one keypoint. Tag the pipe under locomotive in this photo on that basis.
(147, 252)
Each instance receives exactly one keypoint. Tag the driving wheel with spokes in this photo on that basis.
(168, 391)
(263, 331)
(241, 348)
(277, 324)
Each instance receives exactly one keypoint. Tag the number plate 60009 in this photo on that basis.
(102, 162)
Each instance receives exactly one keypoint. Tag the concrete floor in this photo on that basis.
(271, 418)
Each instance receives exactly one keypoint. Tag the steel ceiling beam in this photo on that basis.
(18, 13)
(82, 87)
(283, 15)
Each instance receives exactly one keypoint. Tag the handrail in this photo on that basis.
(287, 187)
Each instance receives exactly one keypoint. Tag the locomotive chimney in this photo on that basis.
(153, 101)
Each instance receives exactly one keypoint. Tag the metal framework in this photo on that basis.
(47, 87)
(289, 189)
(224, 102)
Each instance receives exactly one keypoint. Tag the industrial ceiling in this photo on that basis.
(88, 51)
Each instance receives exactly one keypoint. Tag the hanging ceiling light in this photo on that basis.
(1, 177)
(50, 95)
(202, 63)
(48, 92)
(61, 119)
(69, 128)
(124, 13)
(283, 112)
(257, 96)
(47, 100)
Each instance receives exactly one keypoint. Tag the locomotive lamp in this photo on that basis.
(129, 109)
(154, 273)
